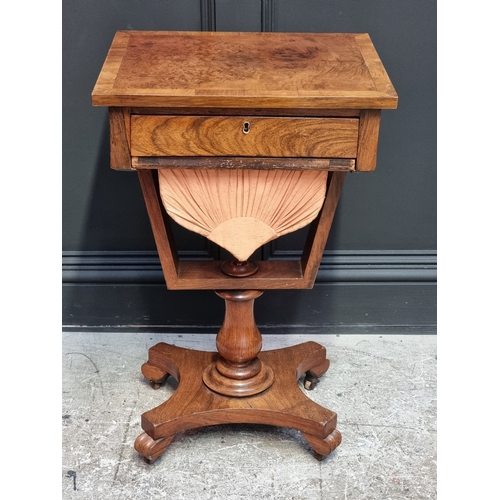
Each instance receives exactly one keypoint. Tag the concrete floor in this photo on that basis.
(383, 388)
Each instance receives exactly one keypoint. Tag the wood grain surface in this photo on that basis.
(238, 70)
(243, 136)
(194, 405)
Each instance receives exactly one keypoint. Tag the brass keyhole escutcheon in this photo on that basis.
(246, 127)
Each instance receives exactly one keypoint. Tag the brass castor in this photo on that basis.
(311, 381)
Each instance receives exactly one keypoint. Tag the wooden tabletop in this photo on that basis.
(243, 70)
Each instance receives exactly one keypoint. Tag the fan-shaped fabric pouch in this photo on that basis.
(241, 210)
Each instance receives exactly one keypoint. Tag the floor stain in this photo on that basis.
(72, 473)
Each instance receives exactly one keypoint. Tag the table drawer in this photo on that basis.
(159, 135)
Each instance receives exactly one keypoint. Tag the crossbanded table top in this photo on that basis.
(243, 69)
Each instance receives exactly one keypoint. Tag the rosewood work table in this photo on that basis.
(241, 137)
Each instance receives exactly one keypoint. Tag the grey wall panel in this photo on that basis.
(330, 308)
(238, 15)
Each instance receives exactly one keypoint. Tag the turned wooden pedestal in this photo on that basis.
(237, 385)
(241, 137)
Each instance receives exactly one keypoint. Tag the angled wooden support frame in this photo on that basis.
(207, 275)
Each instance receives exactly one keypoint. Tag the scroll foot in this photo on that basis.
(155, 375)
(151, 449)
(323, 447)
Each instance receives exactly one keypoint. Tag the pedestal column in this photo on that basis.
(238, 371)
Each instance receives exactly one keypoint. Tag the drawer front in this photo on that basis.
(158, 135)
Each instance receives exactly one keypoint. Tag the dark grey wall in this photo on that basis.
(384, 234)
